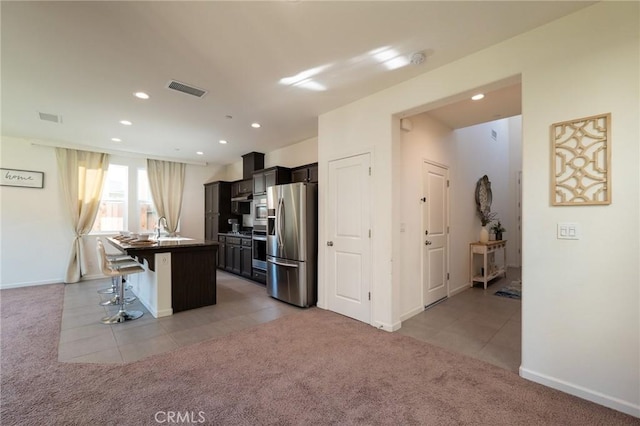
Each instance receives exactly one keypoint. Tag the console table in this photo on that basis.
(486, 249)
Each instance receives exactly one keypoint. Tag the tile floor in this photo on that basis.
(83, 338)
(474, 322)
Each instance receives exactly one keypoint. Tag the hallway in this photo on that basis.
(476, 323)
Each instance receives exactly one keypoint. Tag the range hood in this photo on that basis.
(243, 197)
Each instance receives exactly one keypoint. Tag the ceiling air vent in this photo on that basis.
(185, 88)
(50, 117)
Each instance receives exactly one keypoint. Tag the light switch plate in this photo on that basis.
(568, 231)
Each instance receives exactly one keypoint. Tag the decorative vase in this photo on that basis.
(498, 236)
(484, 235)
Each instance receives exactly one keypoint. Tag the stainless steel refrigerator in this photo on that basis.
(292, 243)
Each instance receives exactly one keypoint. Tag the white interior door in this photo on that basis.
(435, 216)
(348, 243)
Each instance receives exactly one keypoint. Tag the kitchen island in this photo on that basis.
(180, 273)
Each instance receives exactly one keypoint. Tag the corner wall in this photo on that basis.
(581, 299)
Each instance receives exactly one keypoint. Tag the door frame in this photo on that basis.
(448, 236)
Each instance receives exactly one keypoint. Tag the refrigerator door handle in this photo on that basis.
(280, 219)
(289, 265)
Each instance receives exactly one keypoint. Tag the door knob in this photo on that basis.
(427, 243)
(330, 243)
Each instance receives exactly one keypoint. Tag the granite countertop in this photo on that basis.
(245, 234)
(147, 250)
(164, 243)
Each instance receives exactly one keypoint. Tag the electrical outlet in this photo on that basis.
(568, 231)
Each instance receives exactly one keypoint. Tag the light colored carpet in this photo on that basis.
(313, 368)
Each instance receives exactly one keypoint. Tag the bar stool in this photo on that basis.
(117, 260)
(107, 269)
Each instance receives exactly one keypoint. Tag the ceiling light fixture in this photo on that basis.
(126, 122)
(256, 125)
(200, 153)
(141, 95)
(477, 97)
(116, 139)
(222, 141)
(418, 58)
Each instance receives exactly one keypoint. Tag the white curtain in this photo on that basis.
(81, 176)
(166, 180)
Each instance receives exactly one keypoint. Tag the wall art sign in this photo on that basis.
(23, 178)
(581, 161)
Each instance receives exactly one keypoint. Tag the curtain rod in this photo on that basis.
(113, 152)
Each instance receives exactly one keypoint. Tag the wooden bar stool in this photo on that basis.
(117, 272)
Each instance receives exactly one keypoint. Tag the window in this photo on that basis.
(126, 201)
(146, 209)
(112, 213)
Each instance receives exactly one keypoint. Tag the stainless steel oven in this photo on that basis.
(259, 252)
(260, 211)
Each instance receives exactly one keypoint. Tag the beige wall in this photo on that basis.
(581, 303)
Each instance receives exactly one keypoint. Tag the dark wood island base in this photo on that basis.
(182, 268)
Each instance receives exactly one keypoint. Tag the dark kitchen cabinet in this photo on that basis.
(260, 276)
(217, 209)
(241, 188)
(236, 263)
(307, 173)
(246, 258)
(245, 186)
(222, 254)
(238, 255)
(252, 162)
(270, 177)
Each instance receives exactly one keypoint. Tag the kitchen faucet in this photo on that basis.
(160, 224)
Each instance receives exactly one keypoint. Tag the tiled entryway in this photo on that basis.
(83, 338)
(474, 322)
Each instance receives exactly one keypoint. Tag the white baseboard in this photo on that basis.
(93, 277)
(387, 327)
(459, 289)
(31, 284)
(582, 392)
(412, 312)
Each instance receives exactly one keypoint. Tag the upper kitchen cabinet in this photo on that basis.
(245, 186)
(270, 177)
(307, 173)
(252, 162)
(241, 196)
(217, 209)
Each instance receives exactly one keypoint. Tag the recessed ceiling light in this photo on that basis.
(222, 141)
(256, 125)
(477, 97)
(116, 139)
(126, 122)
(141, 95)
(200, 153)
